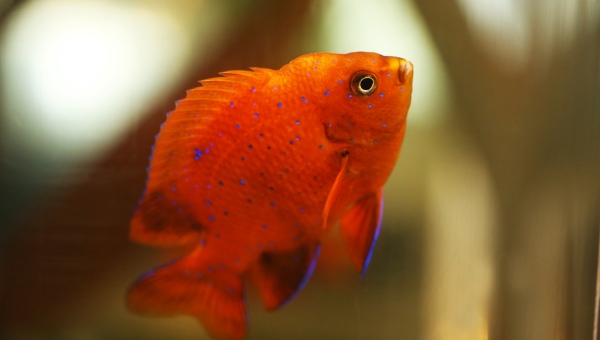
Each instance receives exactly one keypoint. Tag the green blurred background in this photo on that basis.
(492, 213)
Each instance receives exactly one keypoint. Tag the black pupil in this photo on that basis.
(366, 84)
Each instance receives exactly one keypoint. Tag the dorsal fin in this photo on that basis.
(166, 216)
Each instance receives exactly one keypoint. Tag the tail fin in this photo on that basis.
(214, 296)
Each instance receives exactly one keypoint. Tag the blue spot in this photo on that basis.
(297, 137)
(292, 142)
(256, 115)
(236, 260)
(211, 269)
(384, 124)
(352, 140)
(316, 62)
(321, 146)
(220, 183)
(254, 89)
(272, 204)
(389, 74)
(237, 126)
(202, 243)
(370, 106)
(242, 182)
(372, 60)
(327, 92)
(304, 99)
(250, 146)
(219, 134)
(335, 60)
(301, 209)
(211, 144)
(211, 218)
(207, 186)
(208, 203)
(308, 74)
(271, 243)
(173, 188)
(260, 135)
(259, 246)
(297, 122)
(279, 104)
(349, 95)
(374, 141)
(231, 104)
(351, 123)
(217, 235)
(402, 89)
(265, 226)
(199, 275)
(274, 88)
(297, 225)
(381, 95)
(206, 151)
(316, 68)
(339, 81)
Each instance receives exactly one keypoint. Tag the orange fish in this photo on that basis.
(253, 168)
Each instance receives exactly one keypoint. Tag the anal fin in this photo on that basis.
(360, 228)
(214, 297)
(279, 276)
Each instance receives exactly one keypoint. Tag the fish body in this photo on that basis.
(252, 169)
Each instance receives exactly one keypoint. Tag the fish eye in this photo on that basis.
(364, 84)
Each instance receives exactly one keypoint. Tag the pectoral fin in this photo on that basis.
(339, 189)
(360, 228)
(281, 275)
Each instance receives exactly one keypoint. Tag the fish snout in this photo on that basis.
(405, 71)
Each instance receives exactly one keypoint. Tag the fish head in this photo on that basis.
(363, 97)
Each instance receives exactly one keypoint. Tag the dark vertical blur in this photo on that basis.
(539, 131)
(492, 215)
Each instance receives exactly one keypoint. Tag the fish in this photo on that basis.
(253, 168)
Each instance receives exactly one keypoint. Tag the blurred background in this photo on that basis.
(492, 213)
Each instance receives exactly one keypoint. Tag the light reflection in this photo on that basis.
(512, 32)
(80, 72)
(459, 266)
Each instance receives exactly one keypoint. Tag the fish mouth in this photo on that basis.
(405, 71)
